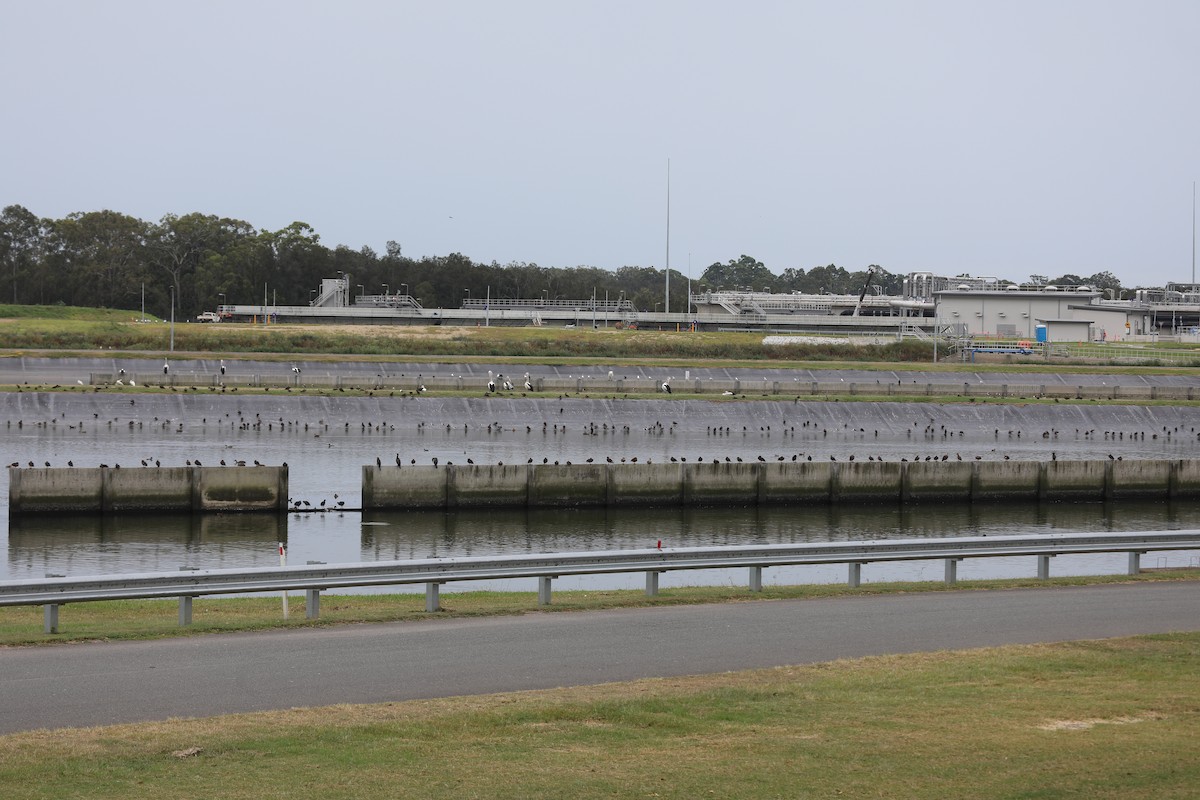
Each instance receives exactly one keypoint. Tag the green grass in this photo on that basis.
(152, 619)
(1105, 719)
(8, 311)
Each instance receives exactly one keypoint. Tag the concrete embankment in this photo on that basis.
(106, 490)
(1030, 387)
(771, 482)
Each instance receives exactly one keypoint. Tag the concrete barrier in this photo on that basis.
(859, 481)
(1138, 478)
(1185, 478)
(566, 485)
(487, 486)
(645, 484)
(938, 481)
(1074, 480)
(723, 483)
(1003, 480)
(412, 487)
(796, 482)
(106, 490)
(771, 482)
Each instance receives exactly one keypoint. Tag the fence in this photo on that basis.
(313, 579)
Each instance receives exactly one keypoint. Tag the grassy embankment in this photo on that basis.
(1107, 719)
(79, 331)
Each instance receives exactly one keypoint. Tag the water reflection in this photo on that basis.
(89, 545)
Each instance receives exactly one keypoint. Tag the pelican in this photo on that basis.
(666, 386)
(166, 368)
(296, 370)
(528, 385)
(222, 366)
(491, 384)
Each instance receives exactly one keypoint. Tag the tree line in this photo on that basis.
(108, 259)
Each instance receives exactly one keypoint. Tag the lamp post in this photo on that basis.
(404, 286)
(172, 319)
(361, 290)
(545, 296)
(385, 290)
(467, 295)
(312, 296)
(222, 303)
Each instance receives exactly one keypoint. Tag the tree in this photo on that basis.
(22, 248)
(103, 258)
(745, 273)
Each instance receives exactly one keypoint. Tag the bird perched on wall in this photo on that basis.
(666, 386)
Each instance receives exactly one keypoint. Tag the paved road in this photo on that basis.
(106, 683)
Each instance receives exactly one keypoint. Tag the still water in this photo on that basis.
(326, 441)
(110, 545)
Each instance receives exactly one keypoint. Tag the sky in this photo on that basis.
(1006, 138)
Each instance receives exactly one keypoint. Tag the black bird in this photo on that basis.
(378, 462)
(397, 459)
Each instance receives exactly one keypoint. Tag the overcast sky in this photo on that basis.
(1004, 138)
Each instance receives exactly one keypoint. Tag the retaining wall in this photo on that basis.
(106, 490)
(603, 385)
(782, 483)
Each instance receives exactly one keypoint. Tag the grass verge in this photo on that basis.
(153, 619)
(1101, 719)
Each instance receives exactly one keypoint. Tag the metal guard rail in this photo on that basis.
(315, 578)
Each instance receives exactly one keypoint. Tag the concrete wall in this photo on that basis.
(115, 491)
(604, 387)
(783, 483)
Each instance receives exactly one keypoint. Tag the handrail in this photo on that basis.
(53, 592)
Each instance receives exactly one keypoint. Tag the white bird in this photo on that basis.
(491, 384)
(132, 382)
(166, 368)
(296, 370)
(666, 386)
(528, 385)
(222, 366)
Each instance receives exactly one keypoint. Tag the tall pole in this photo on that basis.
(1193, 236)
(667, 304)
(172, 319)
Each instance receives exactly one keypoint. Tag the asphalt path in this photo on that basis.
(107, 683)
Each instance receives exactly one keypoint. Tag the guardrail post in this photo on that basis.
(651, 585)
(185, 610)
(50, 615)
(952, 571)
(855, 574)
(544, 589)
(1044, 566)
(432, 599)
(756, 579)
(312, 603)
(1135, 562)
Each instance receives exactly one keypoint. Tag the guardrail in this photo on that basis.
(315, 578)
